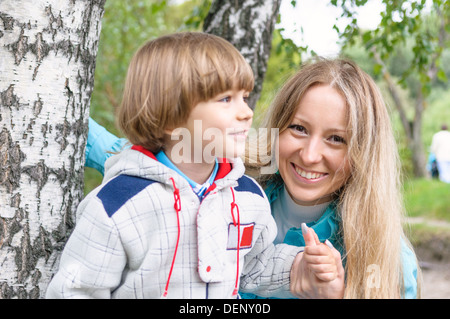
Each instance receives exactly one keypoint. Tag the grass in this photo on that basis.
(428, 198)
(92, 178)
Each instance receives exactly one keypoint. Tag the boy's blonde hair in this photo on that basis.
(370, 202)
(168, 76)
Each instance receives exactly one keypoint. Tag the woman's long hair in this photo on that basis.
(370, 203)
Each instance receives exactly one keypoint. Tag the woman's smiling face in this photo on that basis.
(312, 157)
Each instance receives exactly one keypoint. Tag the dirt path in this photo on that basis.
(431, 222)
(436, 280)
(433, 252)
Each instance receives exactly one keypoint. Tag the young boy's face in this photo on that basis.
(217, 127)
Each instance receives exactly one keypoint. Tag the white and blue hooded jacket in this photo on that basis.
(144, 233)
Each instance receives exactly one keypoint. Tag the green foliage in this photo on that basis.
(92, 178)
(198, 14)
(427, 198)
(284, 61)
(437, 113)
(402, 21)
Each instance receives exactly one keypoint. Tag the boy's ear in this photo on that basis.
(168, 131)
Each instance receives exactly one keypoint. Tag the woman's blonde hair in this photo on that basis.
(370, 202)
(168, 76)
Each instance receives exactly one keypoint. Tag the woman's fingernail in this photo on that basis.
(328, 243)
(304, 229)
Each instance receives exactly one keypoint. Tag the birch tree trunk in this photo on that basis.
(249, 26)
(413, 129)
(47, 60)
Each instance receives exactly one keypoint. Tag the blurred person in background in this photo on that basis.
(440, 147)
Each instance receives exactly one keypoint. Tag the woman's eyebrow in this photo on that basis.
(332, 129)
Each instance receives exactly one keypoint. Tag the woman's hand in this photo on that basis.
(317, 272)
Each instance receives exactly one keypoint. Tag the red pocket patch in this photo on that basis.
(245, 234)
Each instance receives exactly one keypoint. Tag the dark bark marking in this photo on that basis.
(11, 158)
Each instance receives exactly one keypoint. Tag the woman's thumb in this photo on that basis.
(309, 235)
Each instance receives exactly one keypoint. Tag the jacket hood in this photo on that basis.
(140, 162)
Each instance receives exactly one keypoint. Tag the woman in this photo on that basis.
(339, 172)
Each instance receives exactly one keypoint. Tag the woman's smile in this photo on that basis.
(309, 176)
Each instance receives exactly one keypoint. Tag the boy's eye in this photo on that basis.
(225, 99)
(245, 99)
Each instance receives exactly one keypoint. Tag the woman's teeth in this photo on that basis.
(308, 175)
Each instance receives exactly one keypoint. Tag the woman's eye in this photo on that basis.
(298, 128)
(336, 139)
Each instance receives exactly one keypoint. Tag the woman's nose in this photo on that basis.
(311, 152)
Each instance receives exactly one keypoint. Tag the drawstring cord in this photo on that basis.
(238, 225)
(177, 206)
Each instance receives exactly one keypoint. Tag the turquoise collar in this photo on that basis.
(326, 227)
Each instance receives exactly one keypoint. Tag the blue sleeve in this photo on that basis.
(100, 144)
(409, 262)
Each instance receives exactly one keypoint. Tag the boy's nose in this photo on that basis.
(244, 112)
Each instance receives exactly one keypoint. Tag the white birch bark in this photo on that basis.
(47, 61)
